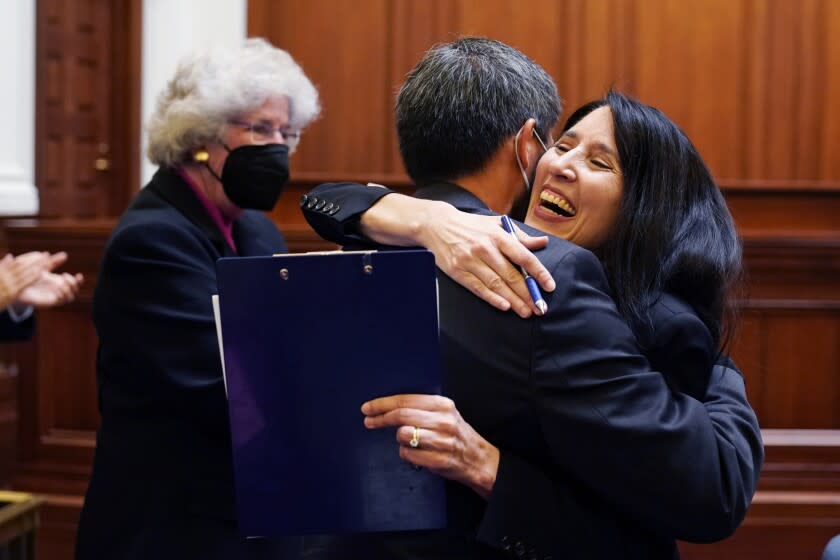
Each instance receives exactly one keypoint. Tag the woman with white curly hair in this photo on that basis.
(162, 483)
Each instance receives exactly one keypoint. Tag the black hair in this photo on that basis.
(674, 231)
(461, 102)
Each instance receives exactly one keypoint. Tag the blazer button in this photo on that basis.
(334, 210)
(320, 204)
(328, 207)
(312, 202)
(303, 200)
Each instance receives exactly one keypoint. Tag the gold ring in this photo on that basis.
(415, 438)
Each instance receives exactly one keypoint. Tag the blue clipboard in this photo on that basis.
(307, 339)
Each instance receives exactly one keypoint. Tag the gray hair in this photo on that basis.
(463, 100)
(209, 88)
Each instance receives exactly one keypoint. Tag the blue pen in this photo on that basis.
(529, 280)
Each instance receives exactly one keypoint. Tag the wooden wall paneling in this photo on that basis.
(828, 110)
(800, 460)
(516, 24)
(585, 46)
(57, 387)
(600, 50)
(66, 352)
(345, 54)
(761, 209)
(802, 362)
(751, 100)
(689, 65)
(126, 21)
(812, 71)
(779, 91)
(590, 57)
(801, 536)
(415, 25)
(792, 273)
(57, 397)
(8, 415)
(747, 350)
(87, 95)
(73, 37)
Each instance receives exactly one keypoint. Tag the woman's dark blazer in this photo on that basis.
(162, 484)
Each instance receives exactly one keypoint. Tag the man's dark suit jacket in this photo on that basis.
(162, 484)
(11, 330)
(599, 458)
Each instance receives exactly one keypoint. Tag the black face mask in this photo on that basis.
(254, 175)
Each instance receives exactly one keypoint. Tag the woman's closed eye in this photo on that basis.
(597, 162)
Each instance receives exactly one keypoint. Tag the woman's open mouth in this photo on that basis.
(556, 204)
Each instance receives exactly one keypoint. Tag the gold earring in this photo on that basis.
(201, 156)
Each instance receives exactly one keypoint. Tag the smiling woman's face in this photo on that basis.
(578, 185)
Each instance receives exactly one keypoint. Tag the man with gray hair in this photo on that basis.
(595, 456)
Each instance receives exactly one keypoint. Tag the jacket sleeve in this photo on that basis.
(154, 316)
(11, 330)
(527, 508)
(334, 210)
(684, 351)
(678, 466)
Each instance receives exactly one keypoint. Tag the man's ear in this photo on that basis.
(525, 149)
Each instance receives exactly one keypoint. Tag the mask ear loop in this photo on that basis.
(537, 136)
(519, 161)
(202, 157)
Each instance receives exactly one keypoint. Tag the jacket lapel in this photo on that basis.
(167, 184)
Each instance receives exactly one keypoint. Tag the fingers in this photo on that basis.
(381, 405)
(55, 260)
(427, 439)
(27, 269)
(497, 276)
(439, 421)
(51, 289)
(67, 286)
(481, 267)
(489, 266)
(527, 260)
(480, 288)
(531, 242)
(432, 412)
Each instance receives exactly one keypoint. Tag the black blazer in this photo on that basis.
(11, 330)
(162, 484)
(600, 459)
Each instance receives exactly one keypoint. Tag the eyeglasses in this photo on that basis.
(263, 132)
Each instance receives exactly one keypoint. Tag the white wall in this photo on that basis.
(18, 194)
(171, 29)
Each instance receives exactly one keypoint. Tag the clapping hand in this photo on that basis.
(16, 273)
(28, 280)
